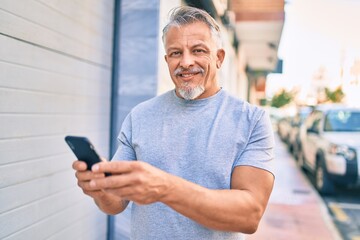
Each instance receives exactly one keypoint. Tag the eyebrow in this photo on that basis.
(199, 45)
(194, 46)
(172, 48)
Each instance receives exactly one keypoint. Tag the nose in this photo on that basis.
(186, 60)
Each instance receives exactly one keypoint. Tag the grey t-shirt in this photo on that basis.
(201, 141)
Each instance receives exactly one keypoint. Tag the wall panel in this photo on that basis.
(55, 80)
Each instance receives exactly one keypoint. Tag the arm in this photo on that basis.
(237, 209)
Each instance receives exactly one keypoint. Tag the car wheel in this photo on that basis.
(300, 159)
(291, 148)
(323, 183)
(295, 151)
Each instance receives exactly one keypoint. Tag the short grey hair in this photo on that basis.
(184, 15)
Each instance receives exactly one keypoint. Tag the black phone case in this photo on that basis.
(83, 150)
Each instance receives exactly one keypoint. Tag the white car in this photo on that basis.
(330, 147)
(294, 132)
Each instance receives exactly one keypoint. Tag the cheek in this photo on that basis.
(209, 65)
(207, 61)
(171, 67)
(174, 63)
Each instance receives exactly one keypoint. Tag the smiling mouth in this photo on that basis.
(186, 75)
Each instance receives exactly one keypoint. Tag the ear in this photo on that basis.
(166, 59)
(220, 57)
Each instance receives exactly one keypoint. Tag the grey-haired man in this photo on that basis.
(195, 161)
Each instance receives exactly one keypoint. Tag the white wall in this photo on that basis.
(243, 82)
(228, 72)
(164, 82)
(55, 79)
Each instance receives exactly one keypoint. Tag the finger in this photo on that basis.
(114, 167)
(79, 166)
(131, 194)
(88, 175)
(113, 181)
(125, 192)
(94, 194)
(86, 186)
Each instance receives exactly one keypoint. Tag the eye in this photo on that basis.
(175, 53)
(199, 51)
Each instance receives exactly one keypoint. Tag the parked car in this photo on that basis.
(294, 132)
(283, 128)
(330, 147)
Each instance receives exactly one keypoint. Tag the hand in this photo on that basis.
(131, 180)
(106, 201)
(84, 177)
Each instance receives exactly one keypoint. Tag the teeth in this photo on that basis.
(187, 75)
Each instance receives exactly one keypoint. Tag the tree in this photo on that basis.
(282, 98)
(335, 96)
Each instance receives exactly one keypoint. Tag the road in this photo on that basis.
(344, 208)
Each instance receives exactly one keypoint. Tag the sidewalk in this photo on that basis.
(295, 209)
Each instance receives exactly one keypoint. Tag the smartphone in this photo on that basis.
(83, 150)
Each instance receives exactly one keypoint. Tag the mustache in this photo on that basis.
(192, 70)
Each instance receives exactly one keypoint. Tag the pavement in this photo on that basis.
(295, 210)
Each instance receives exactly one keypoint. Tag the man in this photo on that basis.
(198, 159)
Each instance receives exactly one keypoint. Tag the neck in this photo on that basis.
(210, 92)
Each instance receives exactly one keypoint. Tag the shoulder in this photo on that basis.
(242, 108)
(153, 104)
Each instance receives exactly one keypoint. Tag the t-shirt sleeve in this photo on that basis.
(259, 151)
(125, 151)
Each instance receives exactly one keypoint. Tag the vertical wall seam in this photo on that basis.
(114, 100)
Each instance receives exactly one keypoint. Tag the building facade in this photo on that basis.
(77, 67)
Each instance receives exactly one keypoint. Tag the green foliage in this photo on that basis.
(335, 96)
(282, 98)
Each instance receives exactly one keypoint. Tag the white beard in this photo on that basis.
(185, 91)
(191, 93)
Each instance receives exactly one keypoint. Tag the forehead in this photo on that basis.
(193, 32)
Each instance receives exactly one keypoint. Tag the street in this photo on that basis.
(343, 206)
(295, 209)
(345, 211)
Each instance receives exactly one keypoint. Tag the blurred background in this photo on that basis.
(76, 67)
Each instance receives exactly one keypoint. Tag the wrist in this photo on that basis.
(169, 190)
(109, 203)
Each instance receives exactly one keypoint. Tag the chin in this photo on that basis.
(192, 93)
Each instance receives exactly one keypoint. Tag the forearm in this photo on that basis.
(225, 210)
(239, 209)
(111, 204)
